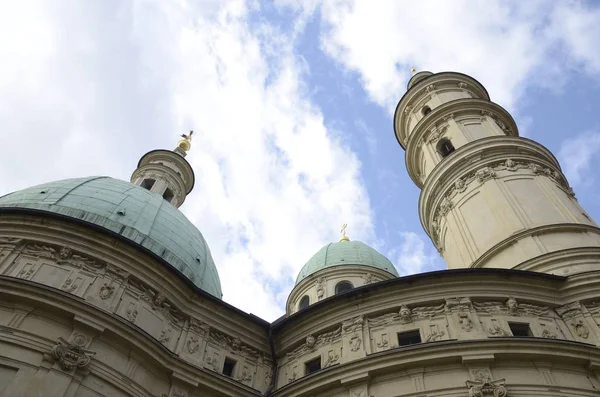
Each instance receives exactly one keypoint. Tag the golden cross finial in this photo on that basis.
(413, 71)
(344, 237)
(185, 144)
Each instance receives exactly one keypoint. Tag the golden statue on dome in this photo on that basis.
(344, 237)
(185, 144)
(413, 71)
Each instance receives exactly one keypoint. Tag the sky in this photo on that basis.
(292, 104)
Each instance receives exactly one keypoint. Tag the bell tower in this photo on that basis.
(167, 172)
(489, 198)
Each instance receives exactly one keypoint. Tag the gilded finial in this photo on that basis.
(413, 71)
(185, 144)
(344, 237)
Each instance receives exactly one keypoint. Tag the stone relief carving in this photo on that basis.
(320, 288)
(352, 325)
(232, 344)
(355, 342)
(332, 358)
(497, 331)
(106, 291)
(26, 272)
(406, 315)
(71, 355)
(193, 343)
(511, 307)
(63, 255)
(434, 335)
(572, 314)
(131, 313)
(580, 328)
(312, 343)
(69, 285)
(435, 134)
(245, 377)
(461, 306)
(158, 301)
(165, 336)
(488, 387)
(369, 278)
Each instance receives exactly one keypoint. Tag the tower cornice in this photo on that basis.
(419, 92)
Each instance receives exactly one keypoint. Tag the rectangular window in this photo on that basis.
(520, 329)
(313, 366)
(228, 367)
(409, 338)
(168, 195)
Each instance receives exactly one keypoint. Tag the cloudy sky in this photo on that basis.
(292, 101)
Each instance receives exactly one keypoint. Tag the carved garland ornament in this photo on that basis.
(481, 175)
(312, 343)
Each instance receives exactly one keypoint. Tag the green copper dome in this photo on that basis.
(131, 211)
(346, 253)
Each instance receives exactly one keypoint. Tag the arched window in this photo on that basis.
(445, 147)
(304, 302)
(426, 110)
(148, 183)
(343, 286)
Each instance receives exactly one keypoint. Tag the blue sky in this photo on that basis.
(292, 102)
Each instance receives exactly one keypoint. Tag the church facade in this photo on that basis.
(106, 289)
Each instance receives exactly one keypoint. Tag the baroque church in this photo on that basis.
(107, 289)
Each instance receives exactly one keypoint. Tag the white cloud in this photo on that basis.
(414, 255)
(507, 45)
(96, 85)
(576, 155)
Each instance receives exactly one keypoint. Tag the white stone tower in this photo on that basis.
(489, 198)
(167, 172)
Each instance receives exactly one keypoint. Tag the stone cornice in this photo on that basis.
(445, 352)
(416, 91)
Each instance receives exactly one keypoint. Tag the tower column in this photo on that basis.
(489, 198)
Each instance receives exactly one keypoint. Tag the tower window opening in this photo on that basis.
(445, 147)
(148, 183)
(304, 302)
(312, 366)
(168, 195)
(409, 338)
(520, 329)
(343, 286)
(426, 110)
(228, 367)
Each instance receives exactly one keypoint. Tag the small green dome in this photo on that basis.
(131, 211)
(346, 253)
